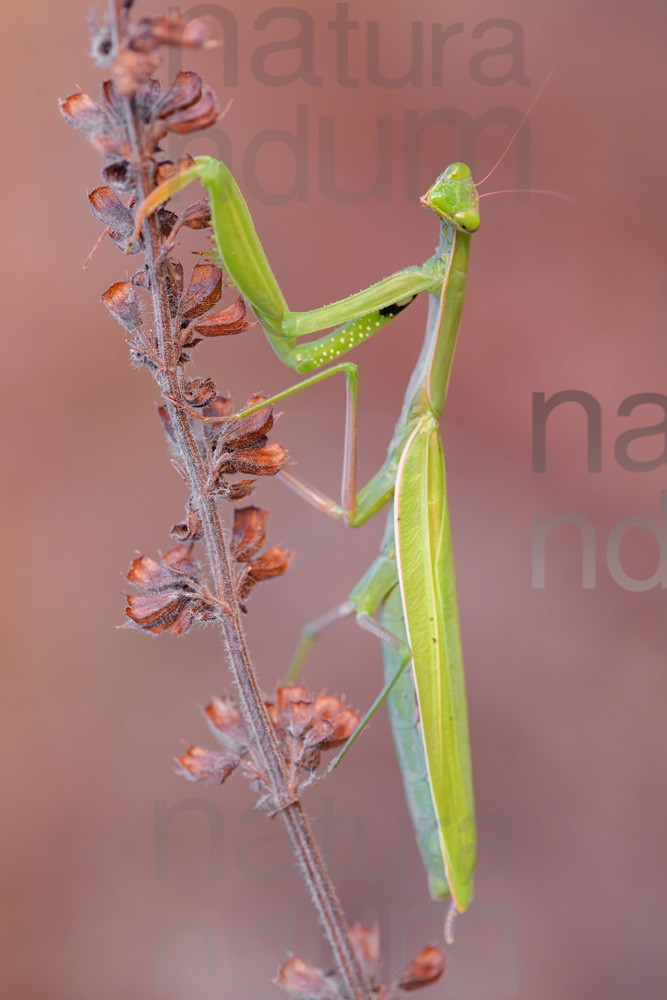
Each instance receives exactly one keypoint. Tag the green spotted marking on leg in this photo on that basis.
(339, 342)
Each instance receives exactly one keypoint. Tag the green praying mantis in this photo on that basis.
(412, 581)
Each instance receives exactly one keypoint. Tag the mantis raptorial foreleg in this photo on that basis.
(243, 258)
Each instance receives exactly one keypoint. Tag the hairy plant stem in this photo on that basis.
(252, 705)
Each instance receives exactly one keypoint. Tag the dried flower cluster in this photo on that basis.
(304, 726)
(277, 744)
(305, 981)
(226, 446)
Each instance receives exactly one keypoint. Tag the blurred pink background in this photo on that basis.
(566, 686)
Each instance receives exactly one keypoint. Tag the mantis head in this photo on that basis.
(454, 198)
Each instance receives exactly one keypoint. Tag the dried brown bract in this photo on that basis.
(221, 324)
(83, 113)
(122, 302)
(225, 721)
(307, 981)
(190, 529)
(207, 765)
(200, 115)
(197, 216)
(183, 93)
(423, 970)
(248, 537)
(366, 941)
(241, 445)
(112, 213)
(203, 292)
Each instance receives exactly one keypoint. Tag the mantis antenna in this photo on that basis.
(518, 129)
(554, 194)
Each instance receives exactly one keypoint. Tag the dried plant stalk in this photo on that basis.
(277, 744)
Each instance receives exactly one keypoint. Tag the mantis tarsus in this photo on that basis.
(412, 581)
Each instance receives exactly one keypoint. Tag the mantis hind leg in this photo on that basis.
(311, 633)
(401, 660)
(362, 602)
(366, 597)
(372, 590)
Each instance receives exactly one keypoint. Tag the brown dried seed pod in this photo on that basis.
(176, 569)
(155, 612)
(146, 100)
(426, 968)
(191, 528)
(208, 765)
(263, 460)
(173, 273)
(198, 391)
(247, 430)
(83, 113)
(200, 115)
(307, 981)
(249, 532)
(120, 175)
(265, 567)
(204, 291)
(168, 169)
(108, 209)
(227, 322)
(366, 943)
(173, 597)
(232, 492)
(122, 301)
(130, 70)
(224, 719)
(166, 221)
(221, 406)
(197, 216)
(184, 92)
(153, 30)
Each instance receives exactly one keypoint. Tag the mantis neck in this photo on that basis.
(428, 385)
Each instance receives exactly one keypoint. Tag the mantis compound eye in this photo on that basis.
(467, 221)
(457, 172)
